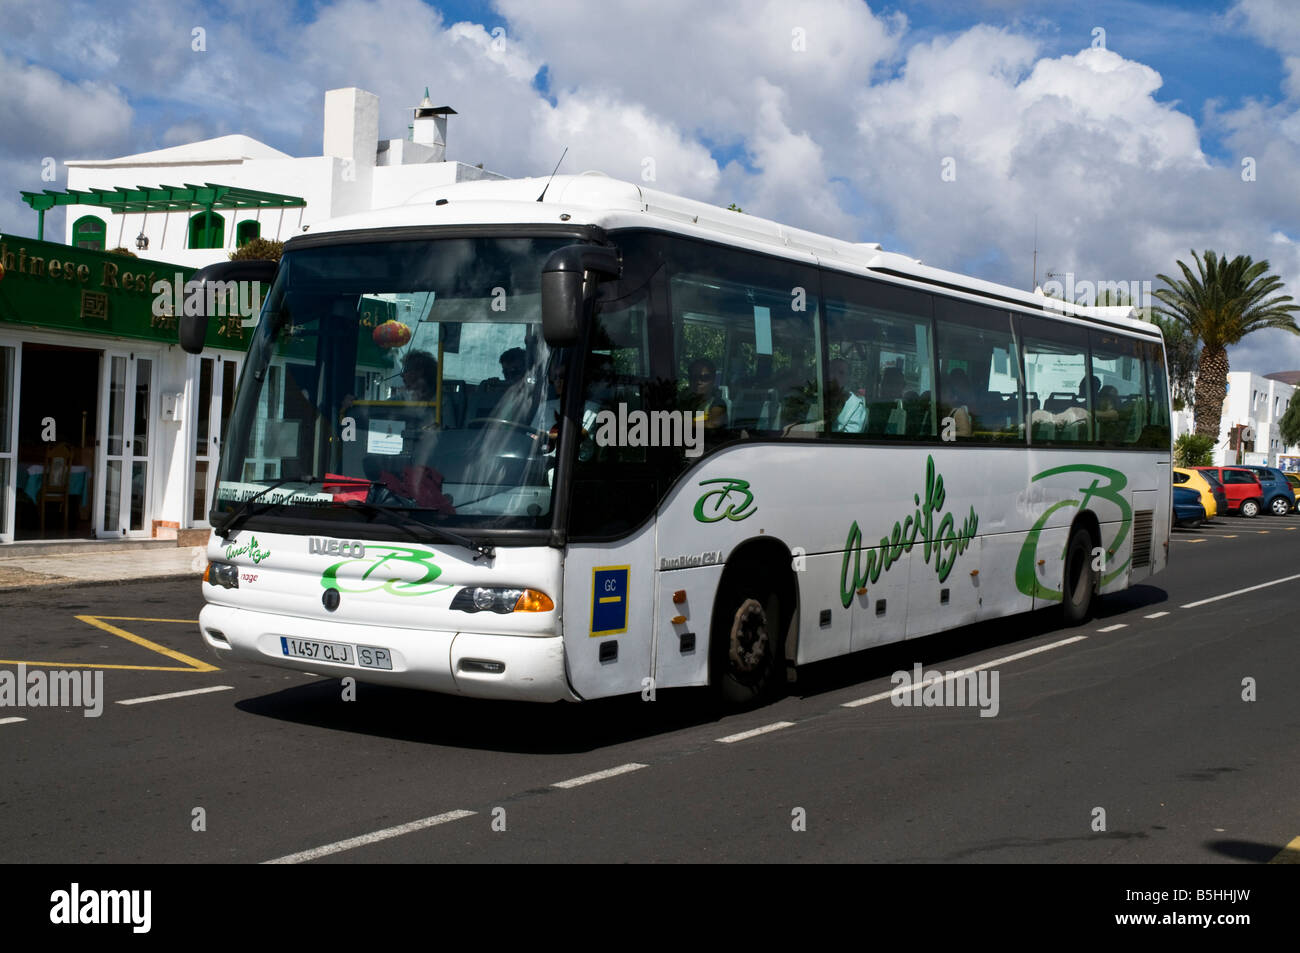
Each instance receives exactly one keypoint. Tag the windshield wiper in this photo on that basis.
(226, 526)
(405, 521)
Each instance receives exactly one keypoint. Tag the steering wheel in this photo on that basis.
(484, 421)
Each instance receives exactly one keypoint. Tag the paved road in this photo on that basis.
(1142, 717)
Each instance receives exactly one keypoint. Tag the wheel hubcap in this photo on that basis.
(749, 638)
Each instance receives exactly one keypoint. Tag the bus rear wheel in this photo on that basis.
(746, 646)
(1080, 582)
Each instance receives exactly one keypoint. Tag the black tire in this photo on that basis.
(747, 645)
(1280, 506)
(1079, 583)
(1250, 509)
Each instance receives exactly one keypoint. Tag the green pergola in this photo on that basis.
(164, 198)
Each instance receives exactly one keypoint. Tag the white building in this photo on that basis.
(138, 419)
(1256, 402)
(356, 172)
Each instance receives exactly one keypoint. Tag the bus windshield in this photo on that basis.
(408, 376)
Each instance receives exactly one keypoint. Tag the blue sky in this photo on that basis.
(1126, 156)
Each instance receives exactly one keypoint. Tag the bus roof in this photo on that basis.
(593, 198)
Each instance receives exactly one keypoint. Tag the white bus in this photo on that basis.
(567, 448)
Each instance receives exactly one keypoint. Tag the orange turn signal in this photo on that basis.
(534, 601)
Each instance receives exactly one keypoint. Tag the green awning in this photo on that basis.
(165, 198)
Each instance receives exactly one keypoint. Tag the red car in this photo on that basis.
(1242, 487)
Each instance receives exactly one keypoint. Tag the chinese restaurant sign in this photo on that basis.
(46, 285)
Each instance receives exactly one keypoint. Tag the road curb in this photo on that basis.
(68, 582)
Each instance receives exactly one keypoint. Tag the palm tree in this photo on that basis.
(1219, 305)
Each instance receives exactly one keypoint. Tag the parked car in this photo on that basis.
(1193, 480)
(1242, 488)
(1188, 510)
(1293, 479)
(1220, 497)
(1279, 498)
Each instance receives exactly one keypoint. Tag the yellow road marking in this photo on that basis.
(192, 664)
(1201, 540)
(133, 668)
(1290, 854)
(188, 664)
(1229, 535)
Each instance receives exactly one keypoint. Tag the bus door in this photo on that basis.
(610, 582)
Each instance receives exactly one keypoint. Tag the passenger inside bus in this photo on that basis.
(843, 403)
(702, 395)
(957, 398)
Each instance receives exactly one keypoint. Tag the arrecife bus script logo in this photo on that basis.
(249, 549)
(397, 570)
(945, 542)
(1026, 577)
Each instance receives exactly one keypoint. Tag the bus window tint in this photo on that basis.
(1121, 406)
(880, 375)
(1155, 430)
(745, 343)
(979, 374)
(1063, 394)
(619, 481)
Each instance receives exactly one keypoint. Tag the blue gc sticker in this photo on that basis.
(609, 600)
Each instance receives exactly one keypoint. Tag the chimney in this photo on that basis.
(352, 125)
(429, 127)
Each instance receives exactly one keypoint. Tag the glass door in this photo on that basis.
(213, 401)
(9, 357)
(124, 497)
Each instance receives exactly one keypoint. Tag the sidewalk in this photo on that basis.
(34, 572)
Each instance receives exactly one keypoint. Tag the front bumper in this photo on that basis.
(432, 660)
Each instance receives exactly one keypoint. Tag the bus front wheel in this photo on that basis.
(746, 647)
(1080, 578)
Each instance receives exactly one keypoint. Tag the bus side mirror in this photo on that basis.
(217, 288)
(563, 292)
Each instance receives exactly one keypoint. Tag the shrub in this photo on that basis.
(258, 248)
(1193, 450)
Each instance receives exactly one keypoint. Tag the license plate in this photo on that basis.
(371, 656)
(366, 656)
(322, 651)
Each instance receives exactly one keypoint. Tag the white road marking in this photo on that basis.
(754, 732)
(598, 776)
(1155, 615)
(10, 721)
(1112, 628)
(372, 838)
(966, 671)
(1239, 592)
(192, 691)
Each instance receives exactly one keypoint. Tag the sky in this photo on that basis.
(1123, 134)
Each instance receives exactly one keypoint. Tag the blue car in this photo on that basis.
(1188, 510)
(1279, 498)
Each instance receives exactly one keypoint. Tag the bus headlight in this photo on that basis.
(501, 600)
(225, 575)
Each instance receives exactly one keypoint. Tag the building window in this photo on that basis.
(247, 231)
(207, 230)
(88, 232)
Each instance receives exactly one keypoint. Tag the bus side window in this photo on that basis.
(880, 375)
(745, 343)
(981, 396)
(1056, 360)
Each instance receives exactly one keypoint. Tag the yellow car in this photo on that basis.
(1190, 478)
